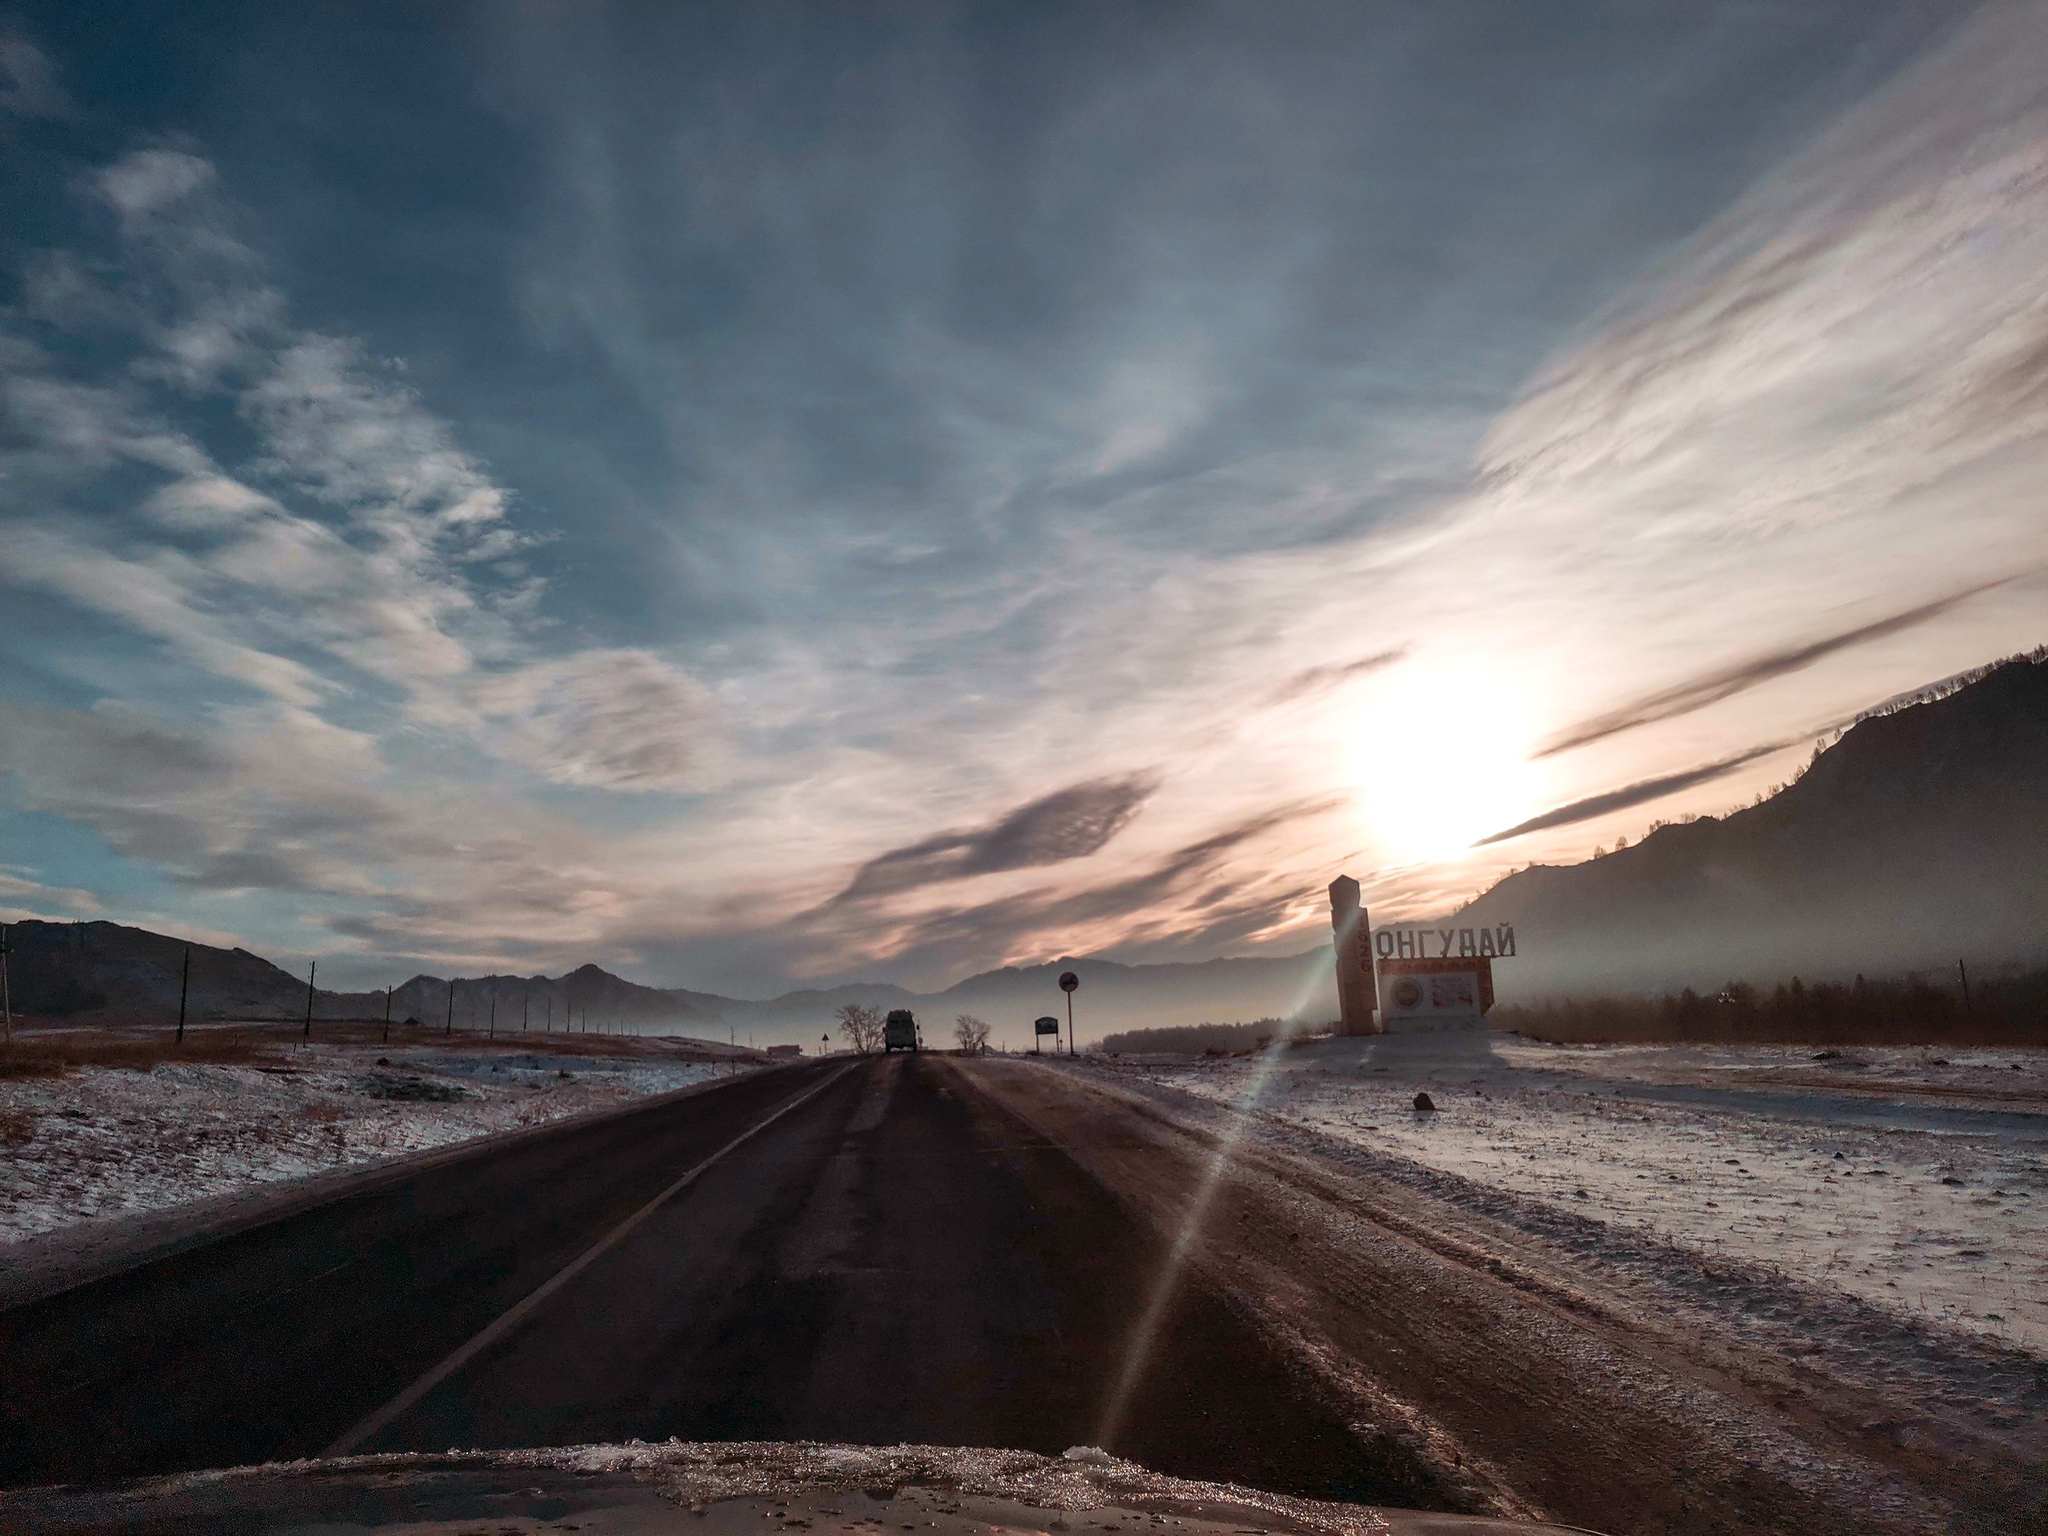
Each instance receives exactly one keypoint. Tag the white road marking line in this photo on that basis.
(518, 1314)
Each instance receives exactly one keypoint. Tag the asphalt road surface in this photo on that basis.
(898, 1258)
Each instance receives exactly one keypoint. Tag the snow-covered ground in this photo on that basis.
(99, 1143)
(1914, 1182)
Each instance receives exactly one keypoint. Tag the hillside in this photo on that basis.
(1919, 838)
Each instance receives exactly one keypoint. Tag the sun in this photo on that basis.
(1442, 761)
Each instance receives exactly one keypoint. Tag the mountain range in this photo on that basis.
(104, 971)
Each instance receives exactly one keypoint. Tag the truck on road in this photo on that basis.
(899, 1031)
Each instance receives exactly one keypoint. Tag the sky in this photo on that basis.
(757, 496)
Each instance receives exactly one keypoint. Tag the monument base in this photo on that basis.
(1435, 1024)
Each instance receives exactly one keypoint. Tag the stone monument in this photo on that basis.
(1356, 991)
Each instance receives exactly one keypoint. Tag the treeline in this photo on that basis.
(1196, 1039)
(2001, 1011)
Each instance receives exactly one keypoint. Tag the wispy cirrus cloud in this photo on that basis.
(1726, 682)
(358, 544)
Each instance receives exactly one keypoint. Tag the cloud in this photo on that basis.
(367, 446)
(28, 84)
(16, 889)
(150, 181)
(1634, 794)
(1068, 824)
(155, 598)
(1146, 404)
(1726, 682)
(1173, 899)
(1322, 679)
(277, 798)
(612, 719)
(361, 543)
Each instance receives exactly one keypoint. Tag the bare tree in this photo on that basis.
(972, 1034)
(861, 1026)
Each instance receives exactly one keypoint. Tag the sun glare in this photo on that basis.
(1443, 760)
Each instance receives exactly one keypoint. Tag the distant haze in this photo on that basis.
(765, 498)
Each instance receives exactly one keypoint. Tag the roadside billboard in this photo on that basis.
(1421, 995)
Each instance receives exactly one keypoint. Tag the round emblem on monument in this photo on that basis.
(1407, 992)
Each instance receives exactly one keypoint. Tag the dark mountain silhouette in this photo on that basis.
(93, 969)
(103, 971)
(89, 971)
(1919, 838)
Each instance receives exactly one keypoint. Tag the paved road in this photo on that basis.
(898, 1259)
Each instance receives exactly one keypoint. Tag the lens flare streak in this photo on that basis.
(1145, 1337)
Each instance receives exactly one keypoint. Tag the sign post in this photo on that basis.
(1438, 978)
(1069, 981)
(1356, 988)
(1043, 1027)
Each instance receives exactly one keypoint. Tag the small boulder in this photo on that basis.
(1424, 1101)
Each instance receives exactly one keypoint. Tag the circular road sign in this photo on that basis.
(1069, 981)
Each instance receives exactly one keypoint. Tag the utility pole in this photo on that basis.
(311, 971)
(550, 1029)
(387, 1015)
(525, 1000)
(1964, 976)
(494, 1019)
(184, 987)
(6, 997)
(451, 1010)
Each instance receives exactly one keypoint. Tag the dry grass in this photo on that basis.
(58, 1054)
(16, 1127)
(44, 1049)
